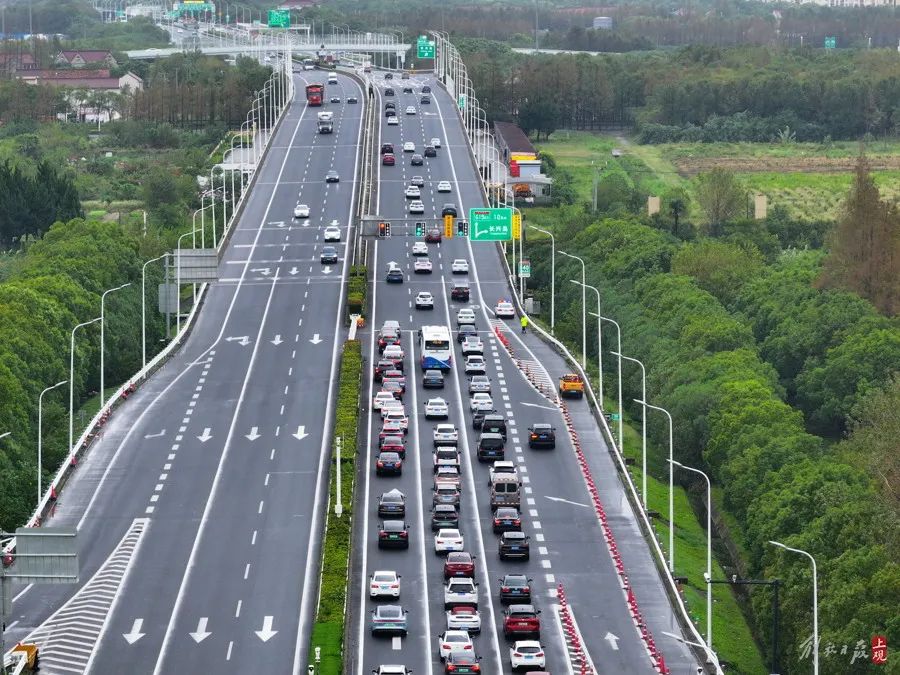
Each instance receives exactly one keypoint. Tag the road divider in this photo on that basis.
(328, 629)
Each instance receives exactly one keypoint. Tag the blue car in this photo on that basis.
(389, 620)
(394, 275)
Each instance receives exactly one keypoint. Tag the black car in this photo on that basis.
(507, 519)
(491, 447)
(392, 505)
(332, 177)
(462, 663)
(466, 330)
(449, 210)
(390, 105)
(444, 515)
(335, 99)
(425, 100)
(514, 546)
(430, 151)
(433, 379)
(388, 92)
(426, 89)
(460, 291)
(394, 276)
(388, 464)
(407, 90)
(387, 148)
(329, 255)
(352, 99)
(494, 423)
(390, 112)
(541, 435)
(389, 76)
(417, 160)
(515, 588)
(393, 534)
(478, 419)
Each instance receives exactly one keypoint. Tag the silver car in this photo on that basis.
(479, 384)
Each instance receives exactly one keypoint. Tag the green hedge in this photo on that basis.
(328, 630)
(357, 288)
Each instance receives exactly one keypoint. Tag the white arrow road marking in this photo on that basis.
(535, 405)
(301, 433)
(205, 436)
(294, 271)
(135, 633)
(566, 501)
(253, 435)
(243, 340)
(277, 341)
(326, 270)
(397, 643)
(612, 640)
(201, 633)
(161, 433)
(266, 633)
(261, 270)
(316, 339)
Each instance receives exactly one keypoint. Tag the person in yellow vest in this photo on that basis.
(524, 323)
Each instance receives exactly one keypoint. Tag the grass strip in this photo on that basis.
(328, 629)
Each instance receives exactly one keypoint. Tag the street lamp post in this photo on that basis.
(144, 307)
(599, 339)
(583, 310)
(40, 440)
(708, 548)
(815, 602)
(72, 381)
(103, 340)
(671, 484)
(619, 378)
(178, 281)
(643, 423)
(553, 278)
(710, 654)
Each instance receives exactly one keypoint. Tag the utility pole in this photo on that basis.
(776, 586)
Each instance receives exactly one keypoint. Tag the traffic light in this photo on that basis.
(462, 228)
(420, 229)
(517, 226)
(448, 226)
(384, 229)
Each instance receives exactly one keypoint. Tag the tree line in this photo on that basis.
(30, 202)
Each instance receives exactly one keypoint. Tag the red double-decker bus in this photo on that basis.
(315, 93)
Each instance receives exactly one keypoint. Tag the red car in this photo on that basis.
(433, 236)
(380, 368)
(459, 564)
(521, 622)
(387, 160)
(392, 386)
(388, 337)
(393, 444)
(388, 464)
(395, 375)
(390, 428)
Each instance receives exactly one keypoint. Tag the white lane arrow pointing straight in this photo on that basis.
(277, 341)
(566, 501)
(201, 633)
(612, 640)
(205, 436)
(326, 270)
(301, 433)
(243, 340)
(135, 633)
(294, 271)
(266, 633)
(253, 435)
(315, 339)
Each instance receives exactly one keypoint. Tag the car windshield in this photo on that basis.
(384, 576)
(514, 536)
(389, 612)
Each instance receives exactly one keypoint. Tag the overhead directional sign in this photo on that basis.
(490, 224)
(279, 18)
(424, 48)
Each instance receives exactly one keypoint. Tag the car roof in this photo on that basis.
(514, 535)
(393, 494)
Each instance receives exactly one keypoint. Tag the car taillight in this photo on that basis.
(504, 589)
(395, 585)
(468, 647)
(440, 541)
(476, 668)
(379, 464)
(517, 522)
(534, 437)
(403, 534)
(539, 654)
(446, 647)
(451, 668)
(375, 586)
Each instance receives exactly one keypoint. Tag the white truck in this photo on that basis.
(326, 122)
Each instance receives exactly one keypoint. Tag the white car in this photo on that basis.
(393, 352)
(420, 248)
(479, 383)
(472, 344)
(381, 398)
(412, 192)
(392, 669)
(423, 266)
(332, 233)
(410, 110)
(444, 186)
(460, 591)
(436, 142)
(301, 211)
(502, 468)
(418, 181)
(481, 401)
(384, 584)
(436, 407)
(475, 365)
(409, 146)
(504, 310)
(424, 300)
(448, 540)
(416, 206)
(465, 316)
(395, 406)
(454, 641)
(445, 434)
(459, 266)
(392, 121)
(526, 654)
(445, 456)
(464, 618)
(396, 416)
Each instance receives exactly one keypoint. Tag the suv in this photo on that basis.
(514, 546)
(433, 236)
(571, 385)
(490, 447)
(494, 423)
(387, 148)
(444, 516)
(449, 210)
(460, 291)
(541, 435)
(521, 622)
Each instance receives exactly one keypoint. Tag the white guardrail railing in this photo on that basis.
(449, 67)
(122, 393)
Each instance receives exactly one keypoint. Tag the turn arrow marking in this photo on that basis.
(253, 435)
(161, 433)
(243, 340)
(277, 341)
(266, 633)
(566, 501)
(135, 633)
(301, 433)
(201, 633)
(205, 436)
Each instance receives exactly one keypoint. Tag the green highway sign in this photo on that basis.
(490, 224)
(424, 48)
(830, 42)
(461, 102)
(279, 18)
(525, 269)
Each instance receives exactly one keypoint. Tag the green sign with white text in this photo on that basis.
(490, 224)
(424, 48)
(279, 18)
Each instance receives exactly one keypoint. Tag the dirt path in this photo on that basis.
(691, 166)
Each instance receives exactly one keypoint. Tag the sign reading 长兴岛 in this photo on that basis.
(490, 224)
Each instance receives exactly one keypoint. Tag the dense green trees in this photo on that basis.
(29, 203)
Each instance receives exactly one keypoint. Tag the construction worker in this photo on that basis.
(524, 323)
